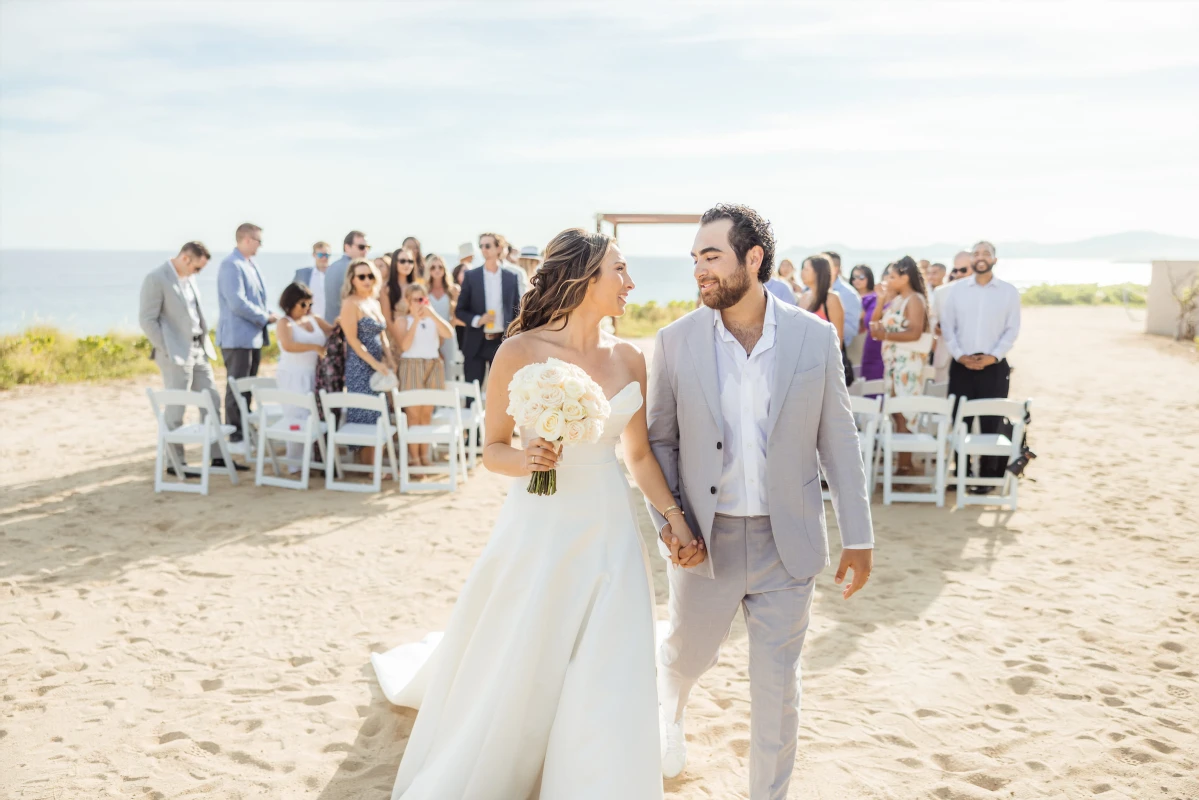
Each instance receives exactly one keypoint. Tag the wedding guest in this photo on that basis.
(923, 265)
(511, 252)
(900, 322)
(420, 335)
(787, 274)
(780, 289)
(302, 335)
(466, 257)
(244, 317)
(420, 270)
(850, 301)
(369, 350)
(530, 260)
(404, 275)
(172, 317)
(816, 274)
(314, 277)
(443, 296)
(934, 275)
(383, 267)
(488, 302)
(980, 320)
(936, 301)
(871, 369)
(353, 246)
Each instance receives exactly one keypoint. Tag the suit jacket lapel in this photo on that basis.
(703, 352)
(788, 340)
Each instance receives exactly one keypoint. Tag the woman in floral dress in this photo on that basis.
(900, 322)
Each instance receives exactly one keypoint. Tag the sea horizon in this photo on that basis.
(97, 291)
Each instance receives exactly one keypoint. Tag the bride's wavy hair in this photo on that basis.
(572, 262)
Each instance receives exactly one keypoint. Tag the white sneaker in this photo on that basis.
(674, 745)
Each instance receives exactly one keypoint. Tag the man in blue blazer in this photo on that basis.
(244, 316)
(488, 303)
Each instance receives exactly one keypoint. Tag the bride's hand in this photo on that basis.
(540, 456)
(686, 549)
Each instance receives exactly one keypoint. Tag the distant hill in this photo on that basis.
(1128, 246)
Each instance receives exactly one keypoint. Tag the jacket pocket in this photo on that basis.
(814, 513)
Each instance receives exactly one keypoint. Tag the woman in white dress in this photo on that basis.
(543, 686)
(443, 296)
(302, 338)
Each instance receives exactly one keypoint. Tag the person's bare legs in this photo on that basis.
(905, 459)
(412, 414)
(425, 414)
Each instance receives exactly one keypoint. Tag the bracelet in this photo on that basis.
(671, 510)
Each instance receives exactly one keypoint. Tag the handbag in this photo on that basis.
(846, 364)
(384, 381)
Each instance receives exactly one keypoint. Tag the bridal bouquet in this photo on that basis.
(560, 403)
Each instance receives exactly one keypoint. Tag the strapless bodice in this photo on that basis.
(625, 404)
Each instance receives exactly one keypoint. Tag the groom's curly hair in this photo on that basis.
(749, 230)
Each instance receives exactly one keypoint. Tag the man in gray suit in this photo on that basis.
(353, 246)
(747, 406)
(172, 317)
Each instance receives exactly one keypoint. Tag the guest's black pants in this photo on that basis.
(983, 384)
(475, 368)
(240, 362)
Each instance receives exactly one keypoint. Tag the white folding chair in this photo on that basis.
(934, 389)
(250, 421)
(205, 433)
(938, 411)
(969, 442)
(379, 435)
(473, 418)
(862, 388)
(866, 415)
(310, 431)
(447, 430)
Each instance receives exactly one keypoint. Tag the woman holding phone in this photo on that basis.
(419, 335)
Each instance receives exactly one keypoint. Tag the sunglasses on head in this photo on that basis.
(364, 276)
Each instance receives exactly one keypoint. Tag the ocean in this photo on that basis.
(96, 291)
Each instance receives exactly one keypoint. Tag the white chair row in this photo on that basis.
(939, 433)
(455, 430)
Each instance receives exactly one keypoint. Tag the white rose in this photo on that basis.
(552, 396)
(529, 413)
(574, 387)
(550, 424)
(575, 432)
(590, 405)
(572, 410)
(550, 375)
(595, 429)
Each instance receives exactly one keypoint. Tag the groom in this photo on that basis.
(747, 407)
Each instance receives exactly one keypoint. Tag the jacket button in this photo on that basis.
(720, 445)
(713, 490)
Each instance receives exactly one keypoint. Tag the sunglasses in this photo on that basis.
(405, 261)
(364, 276)
(305, 304)
(486, 246)
(363, 246)
(960, 270)
(321, 255)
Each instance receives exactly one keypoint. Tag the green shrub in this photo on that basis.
(1085, 294)
(642, 321)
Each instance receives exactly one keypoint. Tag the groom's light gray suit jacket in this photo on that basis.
(809, 428)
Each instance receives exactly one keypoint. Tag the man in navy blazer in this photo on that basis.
(488, 303)
(241, 328)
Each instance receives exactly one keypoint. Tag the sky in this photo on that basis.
(144, 125)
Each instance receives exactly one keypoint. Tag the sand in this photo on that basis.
(168, 646)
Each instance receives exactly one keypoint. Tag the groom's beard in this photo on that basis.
(729, 293)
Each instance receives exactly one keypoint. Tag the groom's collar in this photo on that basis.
(769, 321)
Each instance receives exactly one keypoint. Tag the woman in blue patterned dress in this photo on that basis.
(368, 350)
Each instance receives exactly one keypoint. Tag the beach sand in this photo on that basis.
(165, 646)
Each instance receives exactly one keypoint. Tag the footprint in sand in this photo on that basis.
(318, 700)
(1173, 647)
(209, 686)
(1021, 684)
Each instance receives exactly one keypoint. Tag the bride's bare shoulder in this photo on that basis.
(520, 349)
(628, 353)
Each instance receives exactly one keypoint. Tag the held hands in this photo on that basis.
(977, 361)
(691, 555)
(540, 456)
(860, 562)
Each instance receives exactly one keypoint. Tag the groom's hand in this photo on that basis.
(690, 556)
(861, 562)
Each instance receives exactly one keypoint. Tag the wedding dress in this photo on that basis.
(543, 686)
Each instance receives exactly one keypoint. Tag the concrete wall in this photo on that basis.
(1162, 315)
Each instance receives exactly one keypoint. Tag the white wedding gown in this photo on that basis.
(543, 686)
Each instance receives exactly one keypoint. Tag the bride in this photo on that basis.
(543, 685)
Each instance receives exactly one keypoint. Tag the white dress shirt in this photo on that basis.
(193, 308)
(980, 318)
(493, 294)
(318, 293)
(745, 383)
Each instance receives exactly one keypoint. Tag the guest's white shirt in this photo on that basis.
(745, 387)
(318, 293)
(193, 309)
(980, 318)
(493, 294)
(425, 342)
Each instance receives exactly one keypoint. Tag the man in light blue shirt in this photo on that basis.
(781, 290)
(241, 328)
(851, 301)
(352, 247)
